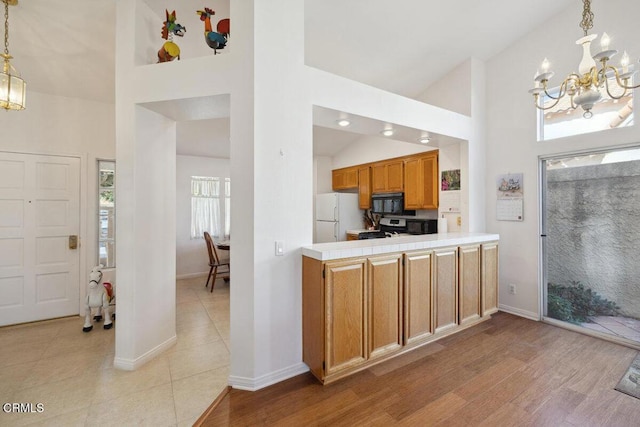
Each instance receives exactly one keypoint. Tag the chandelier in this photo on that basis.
(12, 87)
(586, 87)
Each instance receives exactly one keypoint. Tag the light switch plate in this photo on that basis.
(279, 248)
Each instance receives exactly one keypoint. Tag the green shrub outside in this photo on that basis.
(559, 308)
(576, 303)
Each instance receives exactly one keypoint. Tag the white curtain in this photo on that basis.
(205, 206)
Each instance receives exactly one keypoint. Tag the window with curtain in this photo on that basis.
(205, 206)
(106, 213)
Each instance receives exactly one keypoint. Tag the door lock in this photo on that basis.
(73, 242)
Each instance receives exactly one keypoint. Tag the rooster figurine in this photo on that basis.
(215, 40)
(169, 51)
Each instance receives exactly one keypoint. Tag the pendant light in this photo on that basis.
(12, 88)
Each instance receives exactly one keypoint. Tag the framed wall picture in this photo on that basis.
(450, 180)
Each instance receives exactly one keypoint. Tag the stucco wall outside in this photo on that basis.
(593, 231)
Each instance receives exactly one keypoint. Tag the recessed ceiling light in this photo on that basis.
(424, 139)
(387, 132)
(343, 123)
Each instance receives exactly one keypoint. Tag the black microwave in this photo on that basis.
(422, 226)
(387, 203)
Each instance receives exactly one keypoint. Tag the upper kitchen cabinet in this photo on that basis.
(345, 178)
(364, 187)
(421, 181)
(415, 175)
(387, 177)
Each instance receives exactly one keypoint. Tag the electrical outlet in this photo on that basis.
(512, 289)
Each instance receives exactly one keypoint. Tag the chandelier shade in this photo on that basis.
(595, 79)
(13, 89)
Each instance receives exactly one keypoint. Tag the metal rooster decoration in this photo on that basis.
(169, 51)
(215, 40)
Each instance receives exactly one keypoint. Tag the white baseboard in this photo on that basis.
(519, 312)
(133, 364)
(254, 384)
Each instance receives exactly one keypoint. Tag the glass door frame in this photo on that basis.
(542, 235)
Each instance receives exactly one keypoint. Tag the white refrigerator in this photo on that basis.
(335, 214)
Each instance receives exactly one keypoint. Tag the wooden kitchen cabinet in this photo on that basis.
(378, 178)
(413, 183)
(489, 272)
(430, 181)
(352, 313)
(387, 177)
(469, 282)
(364, 187)
(395, 177)
(384, 294)
(345, 178)
(357, 312)
(445, 288)
(345, 314)
(421, 181)
(418, 297)
(415, 175)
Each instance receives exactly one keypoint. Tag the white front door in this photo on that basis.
(39, 211)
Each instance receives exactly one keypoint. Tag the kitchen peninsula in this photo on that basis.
(367, 301)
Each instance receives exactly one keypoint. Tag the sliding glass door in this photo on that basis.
(591, 242)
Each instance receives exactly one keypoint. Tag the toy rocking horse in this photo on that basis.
(169, 50)
(98, 296)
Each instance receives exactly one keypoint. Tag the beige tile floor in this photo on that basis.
(71, 373)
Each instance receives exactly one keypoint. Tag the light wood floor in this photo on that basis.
(508, 371)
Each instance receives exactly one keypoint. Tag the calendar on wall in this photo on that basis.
(509, 210)
(510, 202)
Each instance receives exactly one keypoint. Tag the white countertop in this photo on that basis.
(357, 248)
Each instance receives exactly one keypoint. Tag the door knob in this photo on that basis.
(73, 242)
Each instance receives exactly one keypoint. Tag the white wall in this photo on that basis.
(449, 159)
(463, 90)
(269, 347)
(474, 213)
(371, 149)
(145, 213)
(341, 94)
(323, 180)
(70, 126)
(452, 91)
(192, 259)
(511, 136)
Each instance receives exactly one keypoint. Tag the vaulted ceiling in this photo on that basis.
(67, 47)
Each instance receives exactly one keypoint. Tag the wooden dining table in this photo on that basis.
(224, 245)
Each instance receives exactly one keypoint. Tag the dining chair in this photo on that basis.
(214, 262)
